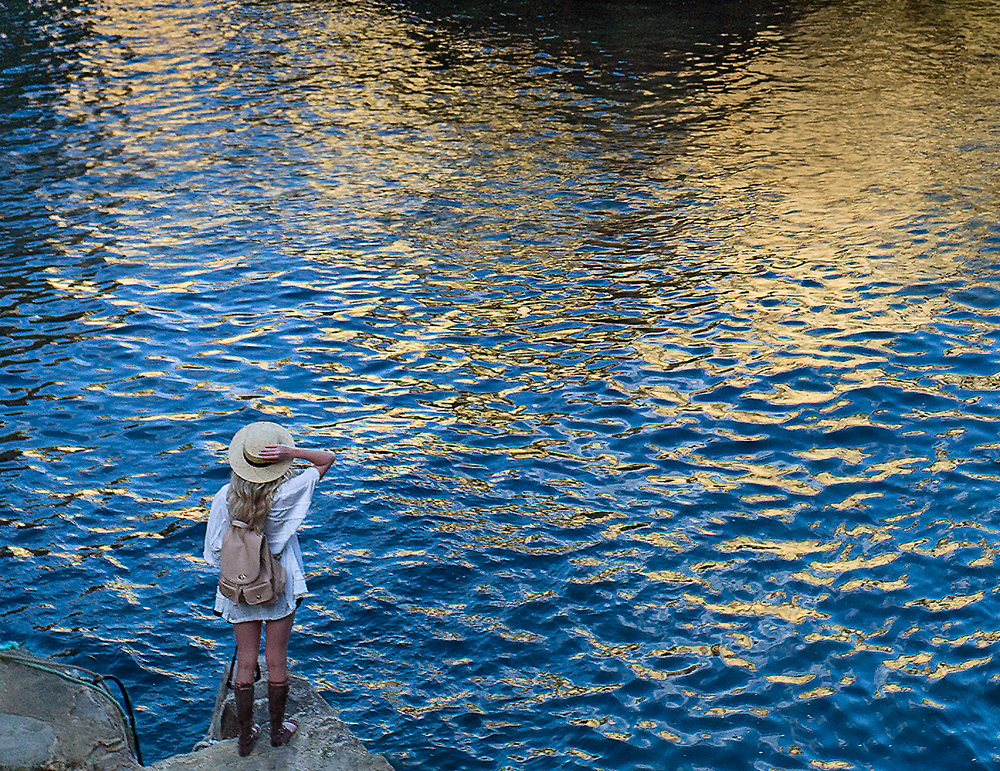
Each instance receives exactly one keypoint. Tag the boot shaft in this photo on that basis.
(277, 698)
(243, 696)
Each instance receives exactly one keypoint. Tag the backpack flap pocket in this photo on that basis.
(229, 590)
(258, 594)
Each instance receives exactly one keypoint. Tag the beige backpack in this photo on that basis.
(248, 572)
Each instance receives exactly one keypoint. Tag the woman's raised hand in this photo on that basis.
(277, 452)
(321, 459)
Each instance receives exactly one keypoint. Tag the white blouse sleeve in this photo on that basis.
(218, 521)
(291, 503)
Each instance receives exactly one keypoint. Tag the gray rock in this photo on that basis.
(26, 742)
(52, 716)
(322, 743)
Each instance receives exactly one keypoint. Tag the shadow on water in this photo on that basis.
(44, 50)
(49, 274)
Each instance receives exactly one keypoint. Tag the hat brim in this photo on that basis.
(248, 471)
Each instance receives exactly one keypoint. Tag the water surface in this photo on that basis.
(657, 344)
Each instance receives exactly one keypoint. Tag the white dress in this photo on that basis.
(288, 511)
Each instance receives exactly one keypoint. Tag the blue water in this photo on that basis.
(658, 345)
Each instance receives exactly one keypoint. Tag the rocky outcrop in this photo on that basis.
(54, 717)
(322, 743)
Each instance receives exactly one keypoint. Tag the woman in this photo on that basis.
(267, 495)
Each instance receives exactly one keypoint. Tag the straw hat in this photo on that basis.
(244, 451)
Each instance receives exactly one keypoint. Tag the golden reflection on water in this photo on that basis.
(787, 611)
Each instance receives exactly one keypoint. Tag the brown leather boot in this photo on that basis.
(281, 729)
(248, 732)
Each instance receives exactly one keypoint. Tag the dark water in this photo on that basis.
(658, 345)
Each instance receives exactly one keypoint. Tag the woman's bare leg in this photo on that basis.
(276, 636)
(247, 647)
(276, 650)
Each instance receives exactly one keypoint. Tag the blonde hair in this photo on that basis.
(250, 502)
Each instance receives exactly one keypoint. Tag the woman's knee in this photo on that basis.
(276, 652)
(247, 647)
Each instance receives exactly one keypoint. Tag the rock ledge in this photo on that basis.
(53, 717)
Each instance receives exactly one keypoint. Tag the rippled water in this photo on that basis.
(658, 345)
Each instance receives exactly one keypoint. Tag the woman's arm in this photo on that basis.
(218, 522)
(321, 459)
